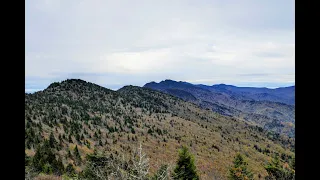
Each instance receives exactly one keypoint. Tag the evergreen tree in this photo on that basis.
(70, 139)
(185, 169)
(88, 144)
(28, 142)
(69, 154)
(52, 140)
(70, 170)
(59, 166)
(60, 138)
(76, 153)
(276, 171)
(26, 159)
(96, 135)
(132, 130)
(47, 169)
(239, 170)
(45, 161)
(78, 137)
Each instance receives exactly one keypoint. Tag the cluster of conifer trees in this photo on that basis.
(101, 166)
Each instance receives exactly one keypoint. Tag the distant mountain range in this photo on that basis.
(273, 109)
(75, 114)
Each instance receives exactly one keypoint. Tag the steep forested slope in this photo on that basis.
(238, 102)
(75, 114)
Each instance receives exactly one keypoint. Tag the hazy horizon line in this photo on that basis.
(116, 87)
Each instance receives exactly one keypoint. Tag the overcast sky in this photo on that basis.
(121, 42)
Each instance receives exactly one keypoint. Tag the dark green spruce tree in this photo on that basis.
(239, 170)
(77, 155)
(277, 171)
(52, 140)
(70, 170)
(185, 168)
(45, 161)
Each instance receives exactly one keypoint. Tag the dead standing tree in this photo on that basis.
(140, 166)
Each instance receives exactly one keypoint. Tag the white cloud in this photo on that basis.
(203, 41)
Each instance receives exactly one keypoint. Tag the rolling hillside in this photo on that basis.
(76, 113)
(262, 106)
(284, 95)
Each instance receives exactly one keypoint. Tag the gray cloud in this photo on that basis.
(270, 54)
(255, 74)
(121, 42)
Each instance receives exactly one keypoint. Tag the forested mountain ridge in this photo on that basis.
(284, 95)
(83, 118)
(251, 104)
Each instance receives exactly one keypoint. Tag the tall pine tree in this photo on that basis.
(76, 153)
(239, 170)
(277, 171)
(52, 140)
(185, 168)
(44, 160)
(70, 139)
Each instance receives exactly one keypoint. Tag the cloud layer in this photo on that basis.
(116, 43)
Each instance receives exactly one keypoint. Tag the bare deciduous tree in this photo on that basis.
(140, 167)
(164, 169)
(111, 169)
(120, 169)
